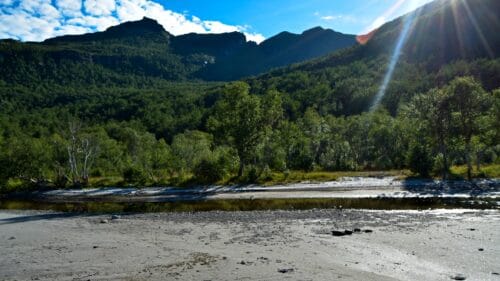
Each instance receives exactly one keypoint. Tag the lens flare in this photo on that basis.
(480, 33)
(408, 20)
(368, 33)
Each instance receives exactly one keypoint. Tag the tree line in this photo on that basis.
(213, 134)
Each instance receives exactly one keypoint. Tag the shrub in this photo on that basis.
(134, 175)
(209, 171)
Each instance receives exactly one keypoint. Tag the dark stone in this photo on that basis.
(459, 277)
(348, 232)
(12, 238)
(495, 273)
(95, 247)
(338, 233)
(480, 249)
(367, 231)
(357, 230)
(472, 229)
(285, 270)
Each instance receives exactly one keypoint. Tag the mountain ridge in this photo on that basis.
(145, 48)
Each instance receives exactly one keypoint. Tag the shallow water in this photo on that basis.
(252, 204)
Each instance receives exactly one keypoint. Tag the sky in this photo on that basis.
(36, 20)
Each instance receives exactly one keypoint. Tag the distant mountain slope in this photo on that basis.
(441, 31)
(144, 49)
(446, 38)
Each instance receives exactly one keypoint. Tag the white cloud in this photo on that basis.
(6, 2)
(100, 7)
(342, 18)
(70, 8)
(40, 8)
(27, 27)
(256, 37)
(328, 17)
(97, 23)
(71, 29)
(36, 20)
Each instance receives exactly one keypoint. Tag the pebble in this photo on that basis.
(338, 233)
(12, 238)
(367, 231)
(480, 249)
(285, 270)
(458, 277)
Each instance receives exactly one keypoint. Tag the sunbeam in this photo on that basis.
(473, 20)
(408, 20)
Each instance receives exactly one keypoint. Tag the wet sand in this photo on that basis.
(257, 245)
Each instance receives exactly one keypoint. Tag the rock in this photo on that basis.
(242, 262)
(367, 231)
(338, 233)
(480, 249)
(495, 273)
(12, 238)
(357, 230)
(348, 232)
(104, 221)
(472, 229)
(458, 277)
(285, 270)
(116, 217)
(95, 247)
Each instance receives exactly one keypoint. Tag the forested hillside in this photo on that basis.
(122, 121)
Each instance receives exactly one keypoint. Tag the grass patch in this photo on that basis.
(485, 171)
(321, 176)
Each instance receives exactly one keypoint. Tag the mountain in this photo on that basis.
(440, 32)
(444, 39)
(144, 49)
(116, 89)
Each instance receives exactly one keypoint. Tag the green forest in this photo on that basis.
(177, 134)
(88, 124)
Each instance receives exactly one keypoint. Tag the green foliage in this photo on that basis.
(440, 109)
(209, 171)
(134, 175)
(419, 159)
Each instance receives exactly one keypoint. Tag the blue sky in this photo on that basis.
(36, 20)
(270, 17)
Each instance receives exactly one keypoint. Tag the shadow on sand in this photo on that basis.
(38, 217)
(474, 188)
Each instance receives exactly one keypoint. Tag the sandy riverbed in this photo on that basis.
(404, 245)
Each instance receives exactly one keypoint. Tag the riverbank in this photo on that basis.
(347, 188)
(259, 245)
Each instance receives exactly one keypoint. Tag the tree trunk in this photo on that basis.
(468, 160)
(240, 170)
(445, 161)
(478, 160)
